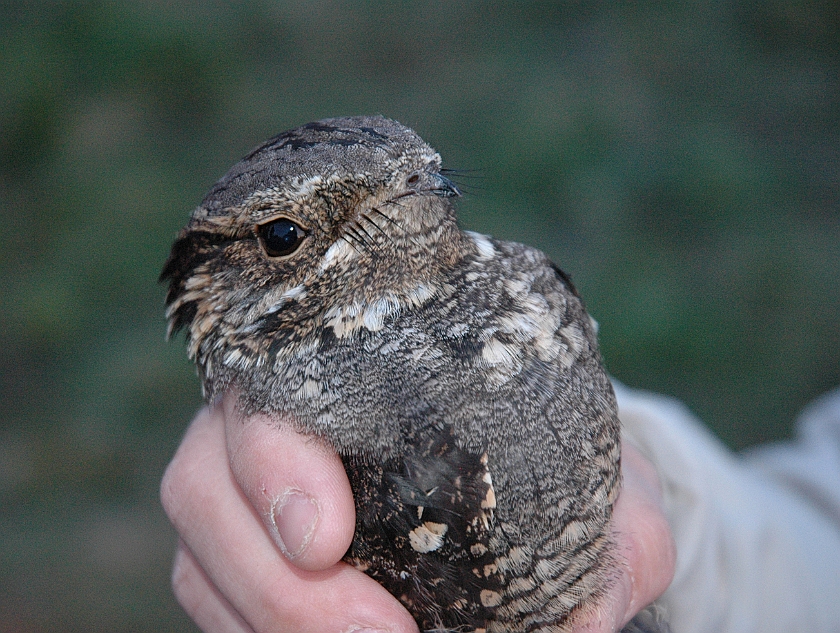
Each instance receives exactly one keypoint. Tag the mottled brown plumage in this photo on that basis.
(458, 376)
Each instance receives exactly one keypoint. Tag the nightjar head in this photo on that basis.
(333, 214)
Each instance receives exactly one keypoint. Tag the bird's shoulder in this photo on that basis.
(507, 306)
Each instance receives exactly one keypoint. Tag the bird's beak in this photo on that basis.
(444, 187)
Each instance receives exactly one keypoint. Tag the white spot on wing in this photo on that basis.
(574, 339)
(490, 598)
(516, 287)
(495, 352)
(427, 537)
(309, 389)
(489, 501)
(483, 244)
(478, 549)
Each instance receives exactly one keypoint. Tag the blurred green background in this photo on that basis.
(680, 160)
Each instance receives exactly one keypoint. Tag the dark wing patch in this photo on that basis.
(423, 530)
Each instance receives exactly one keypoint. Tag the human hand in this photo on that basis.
(265, 515)
(231, 573)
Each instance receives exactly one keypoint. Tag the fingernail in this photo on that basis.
(294, 516)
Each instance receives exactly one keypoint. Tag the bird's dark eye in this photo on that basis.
(413, 179)
(280, 237)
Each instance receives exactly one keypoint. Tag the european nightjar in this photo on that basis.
(326, 278)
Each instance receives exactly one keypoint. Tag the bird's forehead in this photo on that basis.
(372, 149)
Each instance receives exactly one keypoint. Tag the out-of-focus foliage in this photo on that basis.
(680, 160)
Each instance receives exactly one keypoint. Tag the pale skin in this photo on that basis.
(265, 514)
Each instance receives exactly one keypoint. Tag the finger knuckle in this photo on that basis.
(171, 489)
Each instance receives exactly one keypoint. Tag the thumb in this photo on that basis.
(296, 483)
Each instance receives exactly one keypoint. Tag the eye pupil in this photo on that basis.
(281, 237)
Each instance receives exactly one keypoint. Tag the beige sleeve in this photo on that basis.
(755, 552)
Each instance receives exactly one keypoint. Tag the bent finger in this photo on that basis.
(296, 483)
(642, 532)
